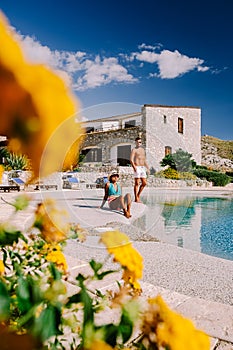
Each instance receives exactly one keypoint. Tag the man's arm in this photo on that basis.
(147, 167)
(132, 156)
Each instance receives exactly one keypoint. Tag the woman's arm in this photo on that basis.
(105, 195)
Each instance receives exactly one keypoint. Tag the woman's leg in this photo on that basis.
(119, 202)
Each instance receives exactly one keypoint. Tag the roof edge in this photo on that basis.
(165, 106)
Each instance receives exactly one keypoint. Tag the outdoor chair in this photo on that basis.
(18, 182)
(71, 183)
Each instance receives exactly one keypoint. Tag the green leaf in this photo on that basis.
(76, 298)
(23, 295)
(21, 202)
(9, 235)
(125, 328)
(111, 334)
(105, 273)
(4, 302)
(130, 314)
(54, 272)
(46, 325)
(95, 266)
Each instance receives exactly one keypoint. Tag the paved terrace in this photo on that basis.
(195, 285)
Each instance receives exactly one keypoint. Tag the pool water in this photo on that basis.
(200, 223)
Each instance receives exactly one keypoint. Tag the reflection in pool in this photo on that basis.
(194, 222)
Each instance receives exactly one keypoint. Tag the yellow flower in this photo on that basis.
(99, 345)
(166, 328)
(58, 258)
(120, 247)
(2, 268)
(48, 220)
(1, 172)
(34, 102)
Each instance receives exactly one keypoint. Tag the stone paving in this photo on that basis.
(216, 319)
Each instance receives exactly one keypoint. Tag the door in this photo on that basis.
(123, 155)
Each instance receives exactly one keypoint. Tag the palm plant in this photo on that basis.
(17, 162)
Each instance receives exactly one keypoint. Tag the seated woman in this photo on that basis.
(114, 197)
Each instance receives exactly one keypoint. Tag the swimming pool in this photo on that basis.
(196, 222)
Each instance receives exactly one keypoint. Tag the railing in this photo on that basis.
(120, 127)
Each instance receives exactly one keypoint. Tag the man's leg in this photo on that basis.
(143, 184)
(136, 188)
(128, 202)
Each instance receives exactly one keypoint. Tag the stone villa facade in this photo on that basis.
(163, 129)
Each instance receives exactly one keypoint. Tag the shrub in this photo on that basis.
(218, 179)
(170, 173)
(17, 162)
(180, 161)
(187, 176)
(230, 173)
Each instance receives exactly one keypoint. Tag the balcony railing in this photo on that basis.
(114, 128)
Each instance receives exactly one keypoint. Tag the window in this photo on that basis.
(165, 119)
(168, 150)
(130, 123)
(180, 125)
(92, 155)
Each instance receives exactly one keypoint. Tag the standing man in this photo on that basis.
(140, 167)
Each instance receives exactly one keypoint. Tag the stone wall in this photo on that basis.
(161, 125)
(109, 140)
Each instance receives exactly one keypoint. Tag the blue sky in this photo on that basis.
(136, 52)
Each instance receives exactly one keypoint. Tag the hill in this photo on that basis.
(216, 153)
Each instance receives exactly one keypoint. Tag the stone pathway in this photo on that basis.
(216, 319)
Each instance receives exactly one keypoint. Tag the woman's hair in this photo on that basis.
(111, 176)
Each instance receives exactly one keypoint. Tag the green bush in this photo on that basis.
(201, 167)
(170, 173)
(187, 176)
(230, 173)
(218, 179)
(17, 162)
(180, 161)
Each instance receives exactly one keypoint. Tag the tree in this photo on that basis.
(180, 161)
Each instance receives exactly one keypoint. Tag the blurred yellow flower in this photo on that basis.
(99, 345)
(1, 172)
(170, 330)
(120, 247)
(48, 220)
(58, 258)
(34, 102)
(2, 268)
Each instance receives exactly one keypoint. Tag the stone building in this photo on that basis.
(163, 129)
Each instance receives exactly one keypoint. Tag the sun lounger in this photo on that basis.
(71, 183)
(45, 187)
(8, 188)
(17, 181)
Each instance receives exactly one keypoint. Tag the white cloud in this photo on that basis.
(149, 47)
(146, 56)
(81, 70)
(171, 64)
(102, 72)
(85, 71)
